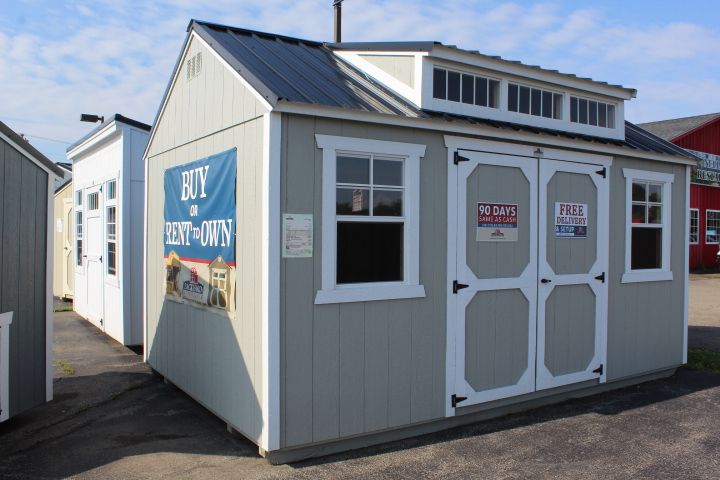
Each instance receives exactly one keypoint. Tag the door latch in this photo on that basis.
(545, 280)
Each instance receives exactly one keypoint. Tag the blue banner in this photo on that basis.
(200, 209)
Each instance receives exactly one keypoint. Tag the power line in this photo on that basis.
(46, 138)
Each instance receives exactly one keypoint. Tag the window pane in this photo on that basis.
(111, 258)
(583, 111)
(573, 109)
(654, 214)
(468, 85)
(655, 193)
(638, 192)
(602, 114)
(453, 86)
(353, 170)
(439, 83)
(369, 252)
(611, 116)
(558, 106)
(78, 198)
(481, 91)
(593, 113)
(639, 214)
(387, 203)
(547, 104)
(535, 101)
(694, 226)
(353, 201)
(646, 248)
(493, 93)
(712, 225)
(524, 100)
(513, 98)
(110, 190)
(387, 172)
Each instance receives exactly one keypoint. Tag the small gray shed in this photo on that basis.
(357, 242)
(27, 180)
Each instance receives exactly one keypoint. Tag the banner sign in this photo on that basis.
(571, 220)
(709, 168)
(199, 231)
(497, 222)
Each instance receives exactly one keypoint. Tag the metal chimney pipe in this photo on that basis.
(337, 5)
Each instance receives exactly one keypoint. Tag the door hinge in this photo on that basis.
(457, 158)
(458, 286)
(455, 399)
(601, 277)
(602, 172)
(599, 370)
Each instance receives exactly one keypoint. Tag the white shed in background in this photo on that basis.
(108, 195)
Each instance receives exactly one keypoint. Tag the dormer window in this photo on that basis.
(534, 101)
(591, 112)
(465, 88)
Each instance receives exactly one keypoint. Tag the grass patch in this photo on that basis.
(65, 367)
(64, 308)
(703, 360)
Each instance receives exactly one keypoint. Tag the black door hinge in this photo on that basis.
(602, 172)
(599, 370)
(457, 158)
(601, 277)
(458, 286)
(456, 399)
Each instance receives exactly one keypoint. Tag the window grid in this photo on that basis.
(79, 236)
(712, 227)
(694, 226)
(111, 251)
(592, 112)
(465, 88)
(372, 187)
(110, 190)
(93, 201)
(534, 101)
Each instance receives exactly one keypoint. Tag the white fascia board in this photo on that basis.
(194, 36)
(525, 71)
(94, 141)
(27, 154)
(412, 94)
(474, 130)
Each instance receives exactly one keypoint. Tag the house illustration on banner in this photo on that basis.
(220, 288)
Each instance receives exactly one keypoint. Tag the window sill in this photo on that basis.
(369, 294)
(649, 276)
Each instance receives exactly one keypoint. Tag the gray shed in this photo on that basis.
(357, 242)
(27, 180)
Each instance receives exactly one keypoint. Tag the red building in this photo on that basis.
(700, 135)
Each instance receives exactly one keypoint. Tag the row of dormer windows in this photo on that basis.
(465, 88)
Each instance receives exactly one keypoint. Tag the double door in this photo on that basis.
(529, 287)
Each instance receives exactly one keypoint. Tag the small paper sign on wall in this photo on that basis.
(571, 220)
(497, 222)
(297, 235)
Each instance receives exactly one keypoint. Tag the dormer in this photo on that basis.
(447, 79)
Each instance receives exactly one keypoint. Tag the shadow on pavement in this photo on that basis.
(707, 338)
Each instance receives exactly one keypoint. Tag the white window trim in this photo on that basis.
(657, 274)
(79, 267)
(709, 210)
(111, 278)
(410, 287)
(698, 226)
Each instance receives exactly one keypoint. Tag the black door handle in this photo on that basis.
(546, 280)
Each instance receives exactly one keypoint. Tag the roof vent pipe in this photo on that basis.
(337, 6)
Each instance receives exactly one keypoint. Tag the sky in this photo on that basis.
(61, 58)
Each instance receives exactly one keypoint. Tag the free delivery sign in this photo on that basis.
(200, 209)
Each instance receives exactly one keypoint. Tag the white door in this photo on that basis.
(572, 292)
(68, 258)
(93, 255)
(495, 277)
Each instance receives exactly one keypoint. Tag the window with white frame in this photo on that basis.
(465, 88)
(111, 226)
(534, 101)
(712, 227)
(78, 228)
(647, 226)
(694, 226)
(592, 112)
(93, 202)
(370, 222)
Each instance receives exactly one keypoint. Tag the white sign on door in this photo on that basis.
(297, 235)
(497, 222)
(571, 220)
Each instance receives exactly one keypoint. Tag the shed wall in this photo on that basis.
(215, 359)
(23, 263)
(354, 368)
(58, 240)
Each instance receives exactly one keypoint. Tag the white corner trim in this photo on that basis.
(49, 310)
(5, 322)
(270, 435)
(686, 273)
(146, 289)
(410, 287)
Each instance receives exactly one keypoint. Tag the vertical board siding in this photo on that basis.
(645, 320)
(23, 261)
(215, 359)
(352, 368)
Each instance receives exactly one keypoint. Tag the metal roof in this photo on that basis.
(674, 127)
(308, 72)
(115, 118)
(429, 46)
(25, 145)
